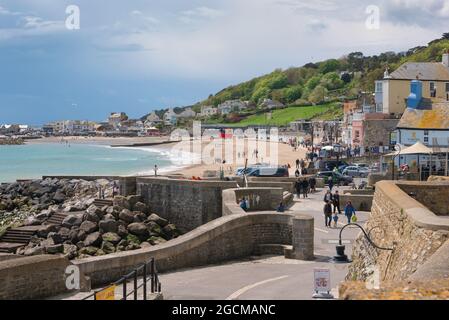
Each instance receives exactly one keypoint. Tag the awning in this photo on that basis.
(417, 148)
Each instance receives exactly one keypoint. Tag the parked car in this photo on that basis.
(338, 178)
(269, 172)
(354, 171)
(330, 165)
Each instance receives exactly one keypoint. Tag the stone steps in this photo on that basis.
(103, 202)
(16, 238)
(57, 218)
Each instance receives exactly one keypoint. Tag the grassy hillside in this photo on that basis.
(327, 80)
(283, 117)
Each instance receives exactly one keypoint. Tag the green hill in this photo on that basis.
(327, 80)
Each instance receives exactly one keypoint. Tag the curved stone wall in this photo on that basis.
(260, 199)
(231, 237)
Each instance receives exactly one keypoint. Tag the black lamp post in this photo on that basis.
(341, 257)
(398, 149)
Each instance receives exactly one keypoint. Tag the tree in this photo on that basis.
(259, 94)
(313, 82)
(329, 66)
(332, 81)
(445, 36)
(346, 77)
(318, 94)
(355, 61)
(292, 94)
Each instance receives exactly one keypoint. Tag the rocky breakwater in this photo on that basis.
(128, 224)
(32, 202)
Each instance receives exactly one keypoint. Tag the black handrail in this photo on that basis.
(366, 236)
(153, 277)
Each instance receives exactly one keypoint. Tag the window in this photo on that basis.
(447, 86)
(426, 132)
(379, 86)
(433, 90)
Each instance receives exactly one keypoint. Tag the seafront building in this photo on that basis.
(392, 91)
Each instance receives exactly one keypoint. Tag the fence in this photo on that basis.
(149, 276)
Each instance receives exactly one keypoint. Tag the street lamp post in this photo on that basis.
(341, 257)
(398, 149)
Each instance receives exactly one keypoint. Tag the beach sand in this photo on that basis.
(285, 156)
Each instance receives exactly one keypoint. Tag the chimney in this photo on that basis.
(415, 96)
(446, 59)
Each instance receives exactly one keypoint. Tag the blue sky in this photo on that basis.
(140, 55)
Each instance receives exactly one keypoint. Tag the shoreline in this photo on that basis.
(160, 144)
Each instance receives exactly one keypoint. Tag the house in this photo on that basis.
(392, 91)
(154, 118)
(170, 117)
(116, 118)
(208, 111)
(232, 106)
(424, 120)
(187, 114)
(271, 104)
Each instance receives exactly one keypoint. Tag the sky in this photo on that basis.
(141, 55)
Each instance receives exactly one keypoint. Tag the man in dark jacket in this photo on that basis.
(305, 188)
(328, 214)
(336, 202)
(298, 187)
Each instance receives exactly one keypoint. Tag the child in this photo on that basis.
(335, 218)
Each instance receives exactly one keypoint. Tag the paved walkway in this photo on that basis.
(263, 278)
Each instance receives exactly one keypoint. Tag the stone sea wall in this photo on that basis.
(400, 222)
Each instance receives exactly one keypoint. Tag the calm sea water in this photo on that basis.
(35, 160)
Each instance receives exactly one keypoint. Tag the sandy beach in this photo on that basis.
(285, 154)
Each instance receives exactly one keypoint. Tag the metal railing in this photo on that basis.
(150, 283)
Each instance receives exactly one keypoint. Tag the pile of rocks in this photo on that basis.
(22, 200)
(127, 225)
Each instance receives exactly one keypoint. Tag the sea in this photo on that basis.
(32, 161)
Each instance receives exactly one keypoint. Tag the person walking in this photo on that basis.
(328, 214)
(330, 181)
(305, 188)
(349, 211)
(336, 202)
(312, 184)
(297, 163)
(298, 186)
(328, 197)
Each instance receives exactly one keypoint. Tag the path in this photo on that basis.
(266, 278)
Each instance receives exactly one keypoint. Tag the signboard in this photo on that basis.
(106, 294)
(322, 280)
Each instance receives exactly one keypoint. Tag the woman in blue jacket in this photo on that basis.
(349, 211)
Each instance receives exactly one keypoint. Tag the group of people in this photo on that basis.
(305, 186)
(332, 209)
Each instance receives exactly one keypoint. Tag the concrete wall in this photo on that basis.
(403, 223)
(260, 199)
(32, 277)
(231, 237)
(187, 204)
(361, 202)
(433, 195)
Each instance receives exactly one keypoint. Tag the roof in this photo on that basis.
(435, 118)
(422, 71)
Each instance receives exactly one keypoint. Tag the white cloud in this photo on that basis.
(192, 15)
(32, 22)
(6, 12)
